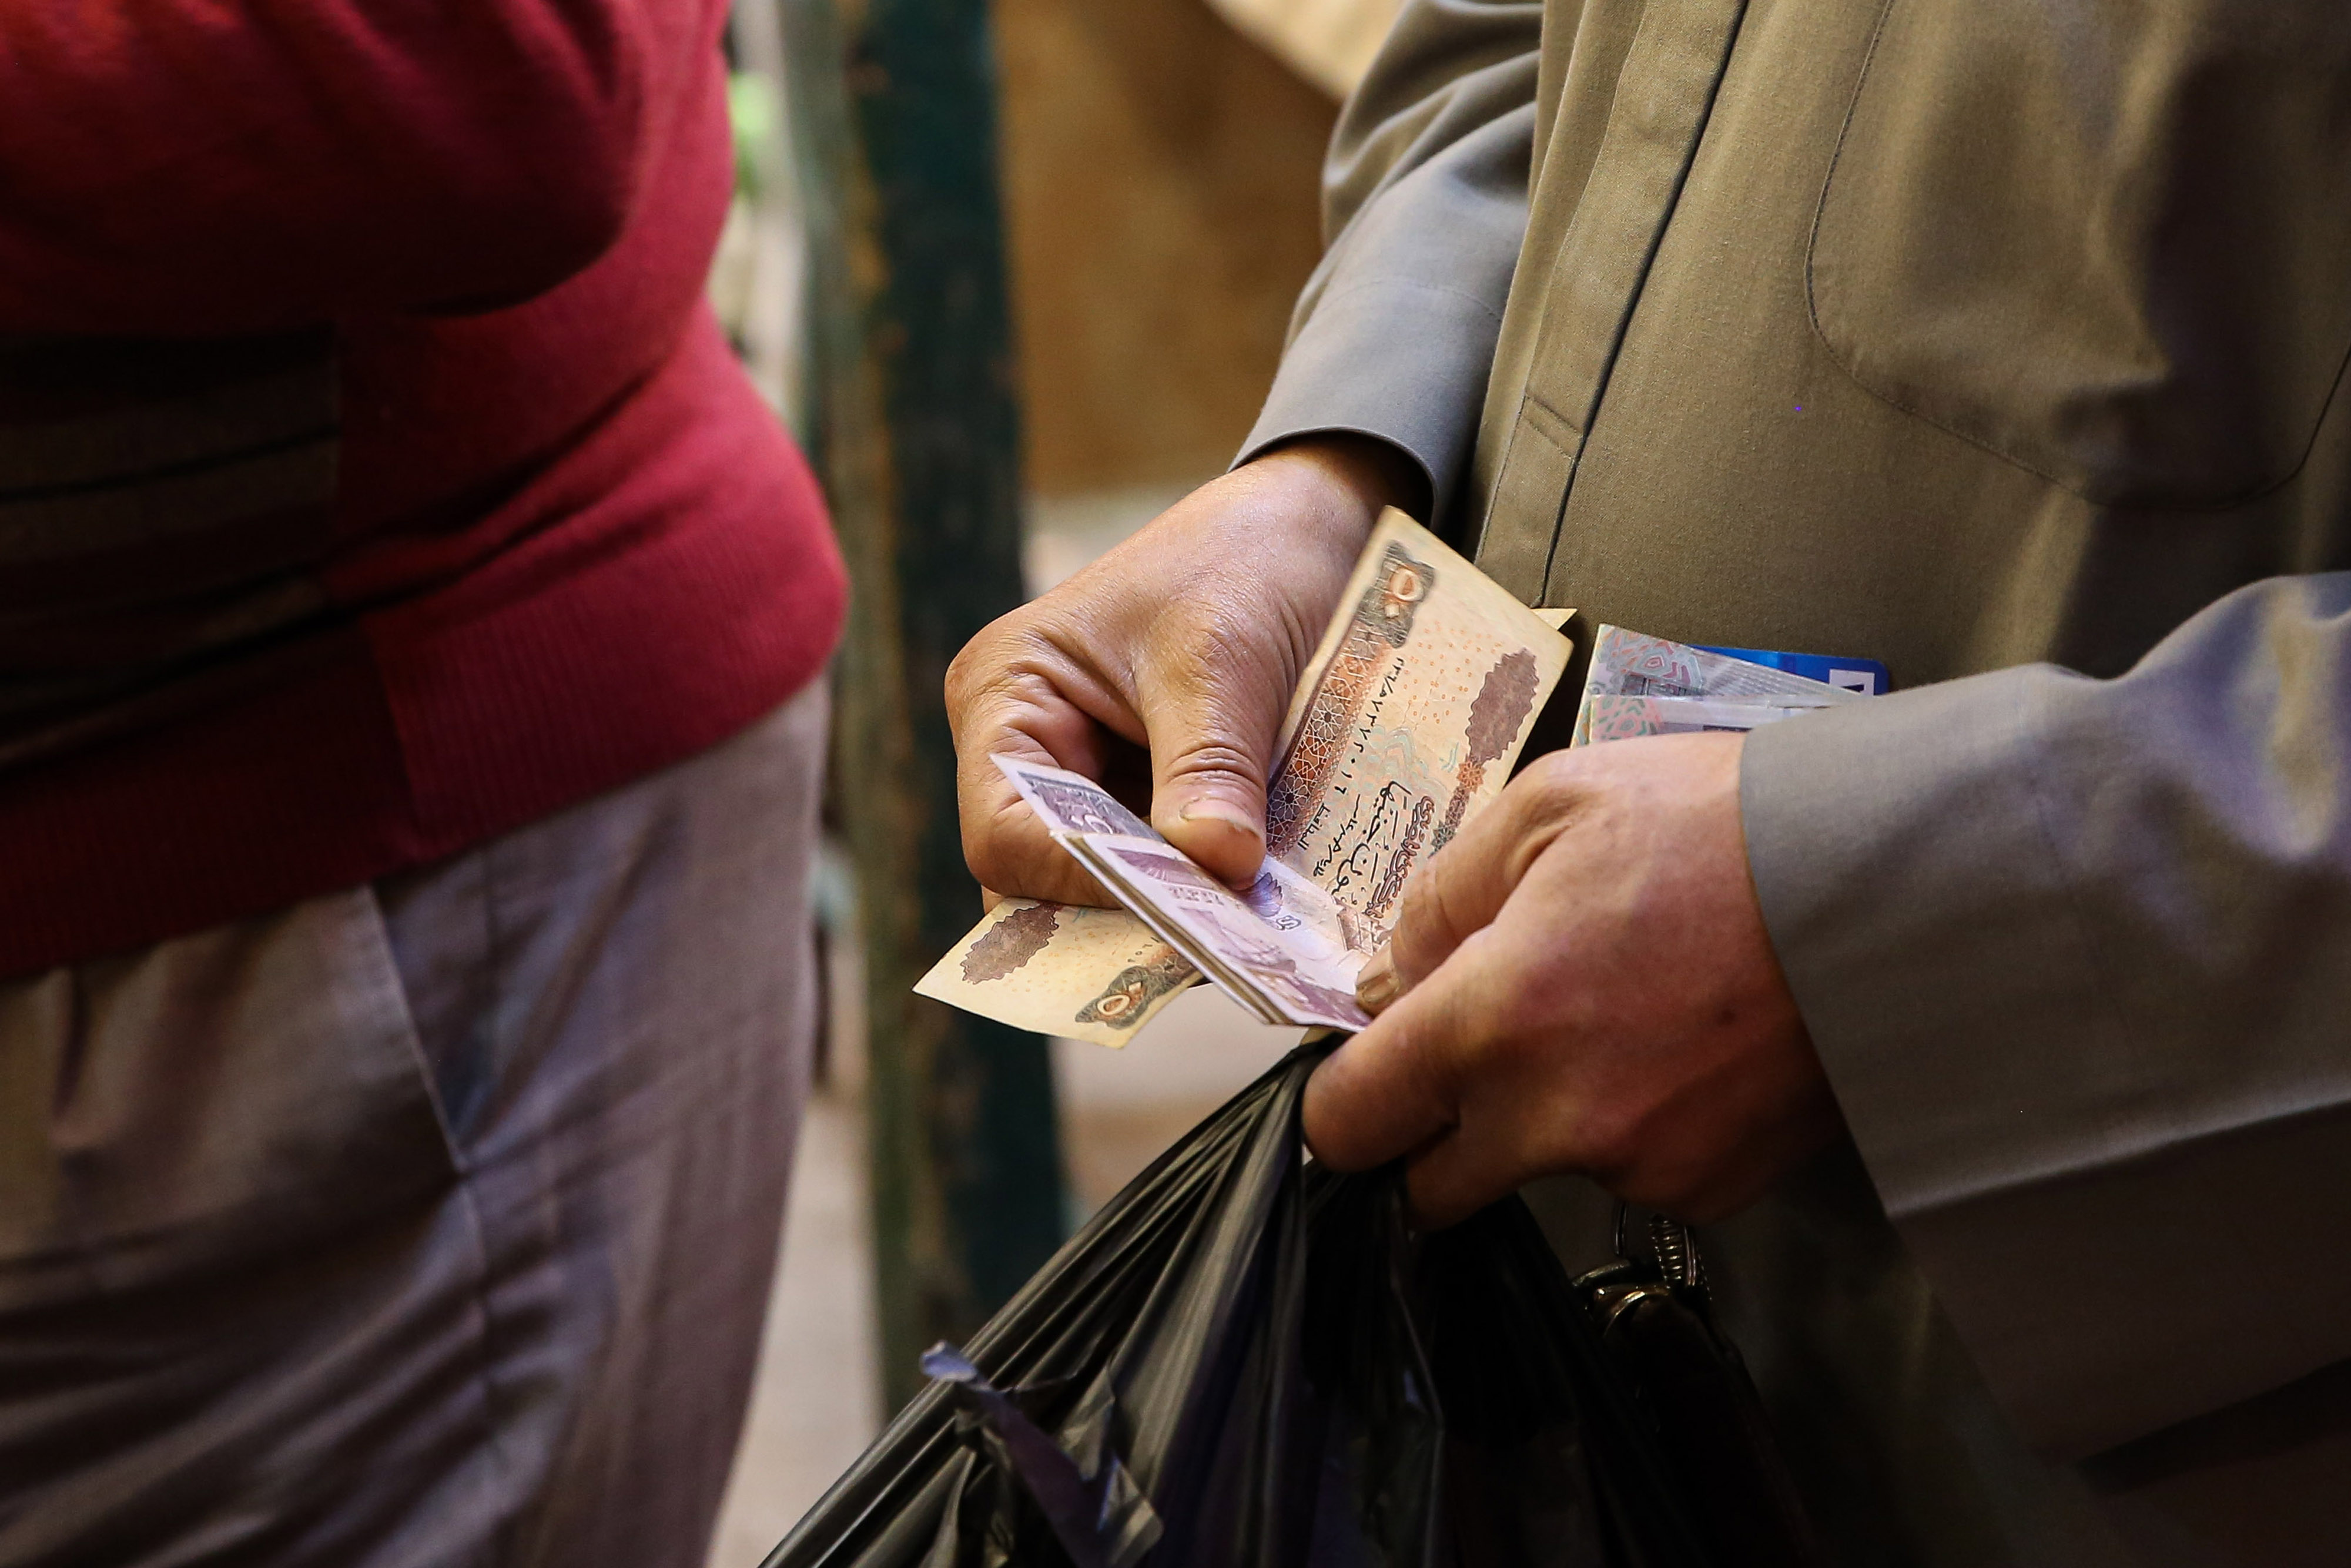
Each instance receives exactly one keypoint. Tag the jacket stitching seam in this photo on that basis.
(1638, 285)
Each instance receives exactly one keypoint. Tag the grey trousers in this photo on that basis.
(427, 1222)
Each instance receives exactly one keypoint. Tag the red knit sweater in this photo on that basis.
(372, 477)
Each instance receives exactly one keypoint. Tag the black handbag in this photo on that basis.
(1656, 1316)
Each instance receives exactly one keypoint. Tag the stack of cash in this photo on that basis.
(1406, 724)
(1281, 948)
(1647, 685)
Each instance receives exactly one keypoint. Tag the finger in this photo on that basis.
(1377, 985)
(1212, 716)
(1009, 850)
(1489, 1145)
(1458, 890)
(1395, 1085)
(1029, 712)
(1458, 1173)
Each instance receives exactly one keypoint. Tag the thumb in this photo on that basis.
(1211, 741)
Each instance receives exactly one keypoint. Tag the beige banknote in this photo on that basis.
(1407, 721)
(1096, 974)
(1418, 702)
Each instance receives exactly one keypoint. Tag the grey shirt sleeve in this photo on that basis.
(2076, 956)
(1425, 201)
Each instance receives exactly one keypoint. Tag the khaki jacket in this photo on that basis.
(2000, 340)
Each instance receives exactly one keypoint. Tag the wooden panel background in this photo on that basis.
(1160, 177)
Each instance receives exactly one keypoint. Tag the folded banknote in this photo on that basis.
(1278, 946)
(1070, 969)
(1406, 722)
(1639, 684)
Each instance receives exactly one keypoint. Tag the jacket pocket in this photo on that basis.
(2109, 240)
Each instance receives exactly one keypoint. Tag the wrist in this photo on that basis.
(1345, 480)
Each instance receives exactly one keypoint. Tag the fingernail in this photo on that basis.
(1211, 809)
(1375, 987)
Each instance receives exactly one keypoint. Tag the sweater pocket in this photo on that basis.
(2109, 240)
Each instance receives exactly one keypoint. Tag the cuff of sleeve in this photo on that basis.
(2019, 913)
(1913, 898)
(2070, 951)
(1390, 357)
(1924, 921)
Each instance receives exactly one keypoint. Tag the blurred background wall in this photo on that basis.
(1157, 176)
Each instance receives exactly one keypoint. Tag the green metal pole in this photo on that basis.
(915, 428)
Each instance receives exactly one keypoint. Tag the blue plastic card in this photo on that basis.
(1866, 676)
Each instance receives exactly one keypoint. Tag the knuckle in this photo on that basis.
(1014, 695)
(984, 852)
(1001, 847)
(961, 671)
(1426, 895)
(987, 653)
(1435, 1069)
(1490, 1033)
(1213, 760)
(1420, 907)
(975, 677)
(1551, 784)
(1423, 925)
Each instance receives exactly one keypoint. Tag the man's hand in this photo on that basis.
(1582, 982)
(1187, 641)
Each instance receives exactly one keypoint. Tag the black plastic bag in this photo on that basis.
(1246, 1359)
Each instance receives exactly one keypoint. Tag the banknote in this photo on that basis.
(1096, 974)
(1069, 802)
(1631, 664)
(1639, 684)
(1624, 718)
(1278, 946)
(1406, 722)
(1270, 945)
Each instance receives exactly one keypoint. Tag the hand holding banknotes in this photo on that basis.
(1402, 726)
(1188, 640)
(1581, 981)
